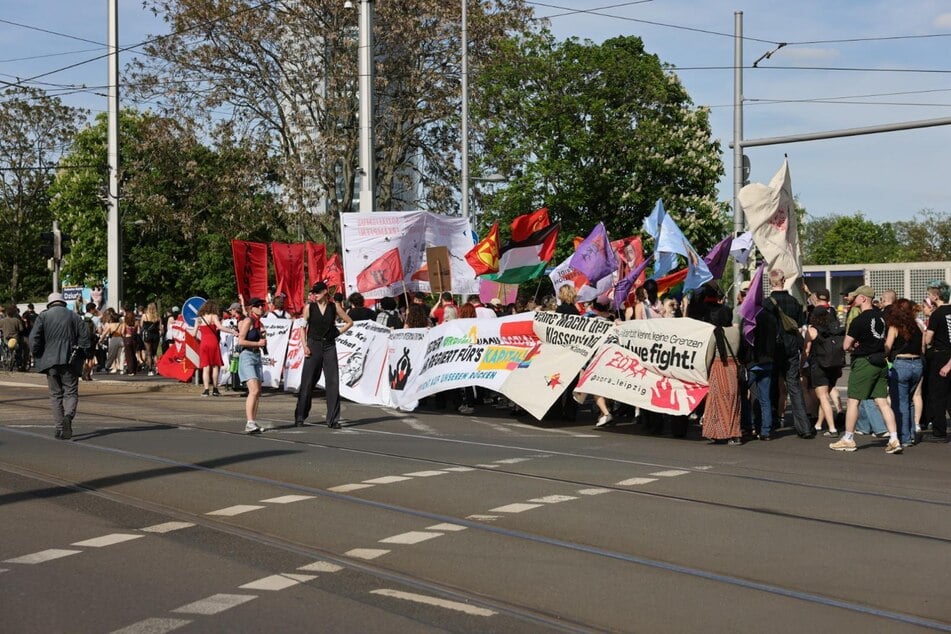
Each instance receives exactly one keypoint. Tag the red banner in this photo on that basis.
(484, 256)
(250, 268)
(333, 273)
(527, 224)
(383, 271)
(316, 260)
(289, 274)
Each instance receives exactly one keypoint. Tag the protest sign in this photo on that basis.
(405, 353)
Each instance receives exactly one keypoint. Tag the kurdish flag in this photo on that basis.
(526, 260)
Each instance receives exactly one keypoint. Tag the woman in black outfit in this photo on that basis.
(320, 355)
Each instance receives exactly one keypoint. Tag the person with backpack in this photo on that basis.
(791, 318)
(826, 359)
(389, 316)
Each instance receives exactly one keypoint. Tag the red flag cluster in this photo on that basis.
(250, 269)
(484, 257)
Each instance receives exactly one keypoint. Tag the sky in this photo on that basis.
(847, 64)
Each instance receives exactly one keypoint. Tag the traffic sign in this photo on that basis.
(190, 309)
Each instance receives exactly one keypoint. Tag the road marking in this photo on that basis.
(673, 473)
(483, 518)
(215, 603)
(597, 491)
(42, 556)
(459, 469)
(366, 553)
(387, 480)
(238, 509)
(346, 488)
(153, 626)
(635, 481)
(274, 583)
(512, 460)
(434, 601)
(167, 527)
(287, 499)
(425, 474)
(446, 527)
(553, 499)
(321, 566)
(488, 466)
(107, 540)
(416, 425)
(518, 507)
(412, 537)
(703, 468)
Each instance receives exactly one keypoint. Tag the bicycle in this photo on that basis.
(9, 361)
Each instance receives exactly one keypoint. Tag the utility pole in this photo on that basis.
(738, 176)
(114, 235)
(366, 107)
(464, 162)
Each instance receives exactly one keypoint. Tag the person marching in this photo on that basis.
(207, 327)
(253, 341)
(320, 355)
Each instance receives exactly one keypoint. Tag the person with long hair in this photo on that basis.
(417, 317)
(253, 341)
(207, 326)
(151, 326)
(904, 345)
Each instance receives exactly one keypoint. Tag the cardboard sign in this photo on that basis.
(440, 275)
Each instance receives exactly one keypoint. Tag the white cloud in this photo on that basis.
(942, 21)
(803, 53)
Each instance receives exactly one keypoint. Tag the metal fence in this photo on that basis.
(908, 279)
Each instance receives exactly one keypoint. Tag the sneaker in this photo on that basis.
(204, 392)
(465, 409)
(151, 373)
(215, 392)
(831, 434)
(843, 445)
(859, 433)
(883, 434)
(893, 446)
(604, 420)
(251, 427)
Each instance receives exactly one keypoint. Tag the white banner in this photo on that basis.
(471, 352)
(367, 236)
(657, 364)
(407, 348)
(278, 331)
(294, 362)
(567, 342)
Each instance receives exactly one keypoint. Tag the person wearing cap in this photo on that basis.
(12, 328)
(822, 298)
(868, 378)
(789, 355)
(253, 341)
(320, 355)
(937, 359)
(58, 342)
(169, 331)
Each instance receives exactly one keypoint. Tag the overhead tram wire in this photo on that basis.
(576, 11)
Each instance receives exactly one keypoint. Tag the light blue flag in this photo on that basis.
(669, 240)
(698, 271)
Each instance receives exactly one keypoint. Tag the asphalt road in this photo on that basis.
(162, 515)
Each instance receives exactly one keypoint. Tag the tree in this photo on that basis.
(925, 238)
(596, 132)
(287, 70)
(851, 239)
(34, 131)
(181, 204)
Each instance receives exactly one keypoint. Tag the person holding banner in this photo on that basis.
(320, 355)
(253, 341)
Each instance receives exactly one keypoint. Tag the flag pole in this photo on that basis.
(405, 294)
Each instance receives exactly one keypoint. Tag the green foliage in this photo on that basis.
(181, 203)
(851, 239)
(595, 132)
(925, 238)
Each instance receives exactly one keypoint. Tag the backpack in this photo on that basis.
(150, 331)
(788, 338)
(827, 351)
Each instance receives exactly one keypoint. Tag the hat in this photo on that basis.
(55, 298)
(176, 309)
(823, 294)
(235, 306)
(318, 287)
(495, 301)
(866, 290)
(745, 286)
(256, 301)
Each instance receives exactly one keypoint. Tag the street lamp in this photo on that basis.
(366, 103)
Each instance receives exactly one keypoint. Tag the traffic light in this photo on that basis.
(48, 248)
(65, 241)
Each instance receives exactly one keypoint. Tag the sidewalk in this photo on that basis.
(101, 381)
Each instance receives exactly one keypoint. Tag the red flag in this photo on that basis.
(630, 253)
(526, 225)
(484, 256)
(383, 271)
(250, 268)
(333, 272)
(181, 359)
(422, 275)
(316, 259)
(289, 274)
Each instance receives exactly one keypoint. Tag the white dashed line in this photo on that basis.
(512, 460)
(321, 566)
(553, 499)
(42, 556)
(518, 507)
(635, 481)
(673, 473)
(107, 540)
(703, 468)
(488, 466)
(412, 537)
(238, 509)
(346, 488)
(287, 499)
(434, 601)
(483, 518)
(446, 527)
(215, 603)
(459, 469)
(153, 626)
(274, 583)
(167, 527)
(387, 480)
(597, 491)
(366, 553)
(424, 474)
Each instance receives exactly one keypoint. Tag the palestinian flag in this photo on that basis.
(526, 260)
(484, 256)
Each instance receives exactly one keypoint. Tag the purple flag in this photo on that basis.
(716, 259)
(623, 288)
(752, 304)
(594, 257)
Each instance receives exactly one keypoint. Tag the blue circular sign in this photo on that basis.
(190, 309)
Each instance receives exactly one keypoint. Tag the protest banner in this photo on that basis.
(294, 359)
(362, 361)
(278, 331)
(566, 342)
(405, 353)
(657, 364)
